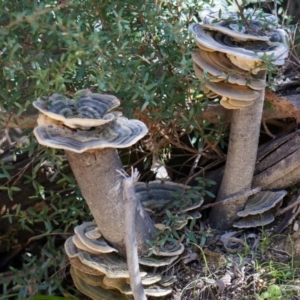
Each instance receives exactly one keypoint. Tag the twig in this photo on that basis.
(286, 11)
(268, 132)
(289, 207)
(35, 15)
(131, 203)
(233, 198)
(204, 169)
(275, 9)
(241, 11)
(194, 166)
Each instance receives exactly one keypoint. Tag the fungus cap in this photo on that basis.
(157, 261)
(120, 133)
(150, 278)
(250, 54)
(92, 245)
(218, 15)
(171, 249)
(76, 263)
(256, 220)
(95, 292)
(124, 287)
(234, 103)
(87, 110)
(168, 280)
(219, 65)
(70, 248)
(225, 89)
(229, 29)
(111, 264)
(82, 246)
(262, 202)
(91, 279)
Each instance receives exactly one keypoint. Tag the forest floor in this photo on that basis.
(260, 265)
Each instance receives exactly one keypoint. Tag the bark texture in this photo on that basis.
(101, 187)
(240, 163)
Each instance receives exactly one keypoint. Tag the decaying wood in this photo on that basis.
(291, 212)
(283, 107)
(277, 171)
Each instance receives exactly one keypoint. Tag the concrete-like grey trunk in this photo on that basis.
(101, 187)
(240, 163)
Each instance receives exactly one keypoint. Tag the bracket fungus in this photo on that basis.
(90, 141)
(86, 110)
(97, 251)
(260, 209)
(102, 275)
(231, 62)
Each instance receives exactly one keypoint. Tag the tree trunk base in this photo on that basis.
(101, 187)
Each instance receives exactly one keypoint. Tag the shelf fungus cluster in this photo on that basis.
(85, 123)
(231, 56)
(101, 273)
(89, 132)
(260, 209)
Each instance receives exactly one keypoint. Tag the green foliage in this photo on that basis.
(273, 293)
(137, 50)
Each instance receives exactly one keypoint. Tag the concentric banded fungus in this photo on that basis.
(92, 251)
(220, 67)
(256, 221)
(124, 288)
(261, 202)
(159, 196)
(77, 264)
(260, 209)
(90, 279)
(114, 267)
(87, 110)
(157, 261)
(225, 89)
(91, 155)
(95, 292)
(246, 55)
(120, 133)
(212, 15)
(93, 245)
(230, 63)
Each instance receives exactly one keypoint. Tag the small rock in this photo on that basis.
(296, 226)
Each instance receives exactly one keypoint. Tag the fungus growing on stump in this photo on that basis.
(260, 209)
(90, 145)
(228, 52)
(96, 266)
(97, 250)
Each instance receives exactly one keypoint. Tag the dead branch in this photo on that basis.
(233, 198)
